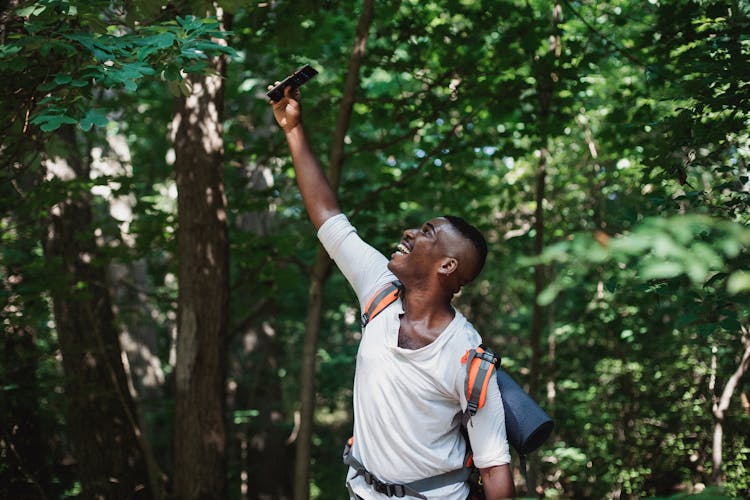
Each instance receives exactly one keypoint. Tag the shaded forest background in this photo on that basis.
(172, 330)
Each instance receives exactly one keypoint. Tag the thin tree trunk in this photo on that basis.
(322, 266)
(102, 420)
(720, 408)
(546, 79)
(203, 277)
(540, 275)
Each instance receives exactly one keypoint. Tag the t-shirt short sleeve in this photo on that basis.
(364, 267)
(486, 429)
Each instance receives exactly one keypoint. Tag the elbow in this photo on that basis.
(319, 217)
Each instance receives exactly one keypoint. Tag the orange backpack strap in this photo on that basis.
(385, 297)
(480, 369)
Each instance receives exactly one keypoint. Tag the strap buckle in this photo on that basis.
(488, 355)
(388, 489)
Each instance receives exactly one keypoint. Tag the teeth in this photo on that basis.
(403, 248)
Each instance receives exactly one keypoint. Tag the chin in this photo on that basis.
(393, 267)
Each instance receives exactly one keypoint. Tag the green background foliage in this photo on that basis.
(641, 107)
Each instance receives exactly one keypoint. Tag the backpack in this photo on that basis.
(527, 424)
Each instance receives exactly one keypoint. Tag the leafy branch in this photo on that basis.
(114, 59)
(405, 178)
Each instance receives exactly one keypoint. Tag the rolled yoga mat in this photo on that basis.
(526, 423)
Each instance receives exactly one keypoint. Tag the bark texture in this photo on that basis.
(722, 405)
(203, 276)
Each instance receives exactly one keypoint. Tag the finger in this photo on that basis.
(292, 93)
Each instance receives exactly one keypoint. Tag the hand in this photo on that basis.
(287, 110)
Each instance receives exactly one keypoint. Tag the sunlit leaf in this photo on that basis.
(738, 282)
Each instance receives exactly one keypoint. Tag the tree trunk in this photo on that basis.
(101, 416)
(546, 78)
(203, 276)
(540, 276)
(321, 268)
(721, 406)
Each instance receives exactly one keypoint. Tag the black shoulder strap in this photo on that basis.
(385, 297)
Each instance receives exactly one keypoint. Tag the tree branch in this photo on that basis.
(616, 47)
(411, 173)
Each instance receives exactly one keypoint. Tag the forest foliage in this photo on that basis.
(602, 147)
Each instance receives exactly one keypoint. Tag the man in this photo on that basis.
(409, 386)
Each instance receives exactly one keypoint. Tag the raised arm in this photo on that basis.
(319, 199)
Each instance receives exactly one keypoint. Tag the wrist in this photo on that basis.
(292, 129)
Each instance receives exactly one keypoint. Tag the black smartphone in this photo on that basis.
(296, 80)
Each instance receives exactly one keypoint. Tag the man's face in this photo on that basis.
(421, 251)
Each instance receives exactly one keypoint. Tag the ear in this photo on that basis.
(448, 266)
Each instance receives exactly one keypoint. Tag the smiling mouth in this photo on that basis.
(403, 249)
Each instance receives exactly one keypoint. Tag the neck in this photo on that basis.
(429, 307)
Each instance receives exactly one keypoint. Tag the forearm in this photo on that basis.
(318, 197)
(498, 482)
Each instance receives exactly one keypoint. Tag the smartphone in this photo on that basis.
(296, 80)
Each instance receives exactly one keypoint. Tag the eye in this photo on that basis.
(428, 229)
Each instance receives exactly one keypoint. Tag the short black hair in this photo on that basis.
(472, 234)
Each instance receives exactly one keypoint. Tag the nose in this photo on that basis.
(409, 233)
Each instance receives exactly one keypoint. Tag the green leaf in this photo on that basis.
(738, 282)
(62, 79)
(8, 50)
(79, 83)
(713, 279)
(26, 11)
(661, 270)
(211, 47)
(32, 10)
(48, 123)
(548, 294)
(631, 244)
(192, 53)
(163, 40)
(730, 324)
(137, 69)
(171, 73)
(130, 85)
(189, 23)
(94, 117)
(99, 51)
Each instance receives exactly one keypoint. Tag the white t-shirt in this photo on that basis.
(408, 403)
